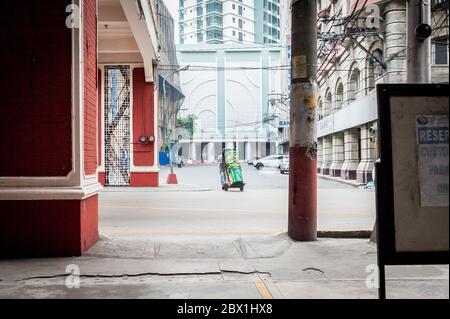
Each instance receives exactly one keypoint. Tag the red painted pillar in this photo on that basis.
(303, 141)
(145, 171)
(48, 181)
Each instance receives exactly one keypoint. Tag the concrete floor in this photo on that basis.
(196, 241)
(247, 268)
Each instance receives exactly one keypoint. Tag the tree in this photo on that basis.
(187, 123)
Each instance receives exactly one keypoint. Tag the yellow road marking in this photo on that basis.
(263, 290)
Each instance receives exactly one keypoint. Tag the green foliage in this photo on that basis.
(187, 123)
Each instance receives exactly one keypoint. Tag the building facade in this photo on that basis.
(373, 51)
(80, 94)
(284, 99)
(229, 21)
(268, 22)
(128, 54)
(170, 96)
(228, 89)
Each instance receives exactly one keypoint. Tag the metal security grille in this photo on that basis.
(117, 125)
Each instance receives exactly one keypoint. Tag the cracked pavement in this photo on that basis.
(247, 267)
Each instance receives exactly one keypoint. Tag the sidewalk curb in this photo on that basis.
(358, 234)
(342, 181)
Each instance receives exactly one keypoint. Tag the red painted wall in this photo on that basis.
(90, 86)
(102, 178)
(35, 107)
(88, 223)
(143, 118)
(48, 228)
(144, 179)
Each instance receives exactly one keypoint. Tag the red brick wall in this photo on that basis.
(35, 81)
(143, 118)
(90, 86)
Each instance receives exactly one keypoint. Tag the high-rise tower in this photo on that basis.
(229, 21)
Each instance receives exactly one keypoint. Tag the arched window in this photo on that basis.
(320, 109)
(354, 84)
(339, 96)
(375, 68)
(328, 103)
(379, 70)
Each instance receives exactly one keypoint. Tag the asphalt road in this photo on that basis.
(268, 178)
(206, 210)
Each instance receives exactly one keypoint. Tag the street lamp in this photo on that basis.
(183, 68)
(172, 178)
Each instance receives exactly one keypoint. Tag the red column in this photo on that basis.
(48, 182)
(145, 171)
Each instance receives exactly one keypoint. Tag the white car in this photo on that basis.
(269, 161)
(284, 166)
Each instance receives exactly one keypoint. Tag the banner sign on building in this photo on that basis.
(284, 123)
(325, 126)
(432, 154)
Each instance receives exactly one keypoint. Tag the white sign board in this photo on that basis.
(325, 126)
(432, 153)
(284, 123)
(421, 215)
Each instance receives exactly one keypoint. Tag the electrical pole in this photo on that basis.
(419, 41)
(303, 140)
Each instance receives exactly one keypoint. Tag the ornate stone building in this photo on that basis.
(359, 47)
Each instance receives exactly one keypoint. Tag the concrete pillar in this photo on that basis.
(327, 155)
(395, 41)
(241, 151)
(258, 150)
(364, 173)
(337, 154)
(248, 151)
(319, 154)
(193, 152)
(48, 175)
(198, 152)
(351, 151)
(211, 152)
(218, 150)
(253, 153)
